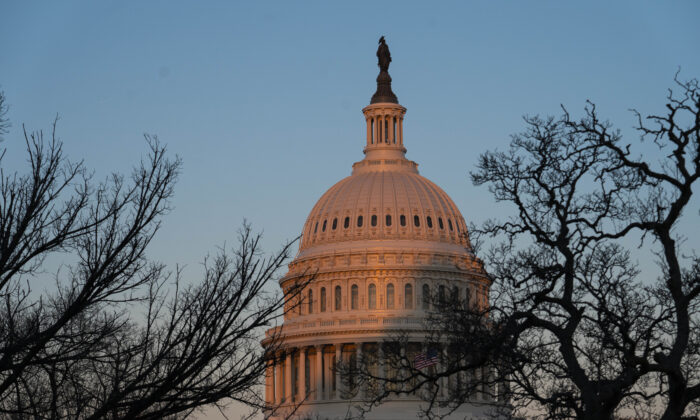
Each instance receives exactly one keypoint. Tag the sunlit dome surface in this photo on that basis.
(384, 199)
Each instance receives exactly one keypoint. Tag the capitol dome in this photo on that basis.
(384, 199)
(376, 249)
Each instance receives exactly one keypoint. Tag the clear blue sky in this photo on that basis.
(263, 100)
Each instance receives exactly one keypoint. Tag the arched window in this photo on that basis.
(316, 227)
(430, 222)
(335, 223)
(374, 220)
(390, 296)
(323, 229)
(449, 223)
(454, 296)
(416, 221)
(359, 221)
(323, 299)
(354, 296)
(394, 119)
(408, 296)
(346, 223)
(402, 219)
(426, 297)
(441, 295)
(468, 297)
(337, 298)
(371, 296)
(311, 301)
(442, 226)
(388, 220)
(372, 132)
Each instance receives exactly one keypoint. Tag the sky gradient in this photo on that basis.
(262, 100)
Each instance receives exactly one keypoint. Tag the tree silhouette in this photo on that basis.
(119, 336)
(575, 329)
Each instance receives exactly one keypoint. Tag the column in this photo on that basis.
(391, 129)
(376, 129)
(302, 374)
(279, 385)
(328, 375)
(479, 384)
(443, 367)
(319, 373)
(369, 131)
(380, 360)
(358, 358)
(288, 377)
(385, 127)
(426, 388)
(402, 371)
(338, 382)
(269, 383)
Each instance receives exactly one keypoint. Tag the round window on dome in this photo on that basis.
(335, 223)
(374, 220)
(316, 227)
(346, 223)
(388, 220)
(416, 221)
(402, 220)
(442, 226)
(430, 222)
(323, 228)
(359, 221)
(449, 223)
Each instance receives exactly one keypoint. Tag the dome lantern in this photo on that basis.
(384, 114)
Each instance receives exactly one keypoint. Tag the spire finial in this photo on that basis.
(383, 93)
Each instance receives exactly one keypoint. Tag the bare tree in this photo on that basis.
(575, 328)
(119, 336)
(4, 121)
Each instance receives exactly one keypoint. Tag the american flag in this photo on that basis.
(423, 360)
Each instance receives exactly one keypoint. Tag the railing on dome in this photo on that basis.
(344, 324)
(373, 162)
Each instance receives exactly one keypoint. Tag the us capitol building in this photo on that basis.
(380, 243)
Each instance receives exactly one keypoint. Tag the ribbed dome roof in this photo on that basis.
(384, 199)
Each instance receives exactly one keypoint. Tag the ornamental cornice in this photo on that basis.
(436, 273)
(398, 273)
(398, 263)
(347, 326)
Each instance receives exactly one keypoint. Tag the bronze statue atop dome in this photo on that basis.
(383, 55)
(383, 93)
